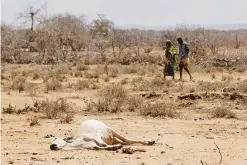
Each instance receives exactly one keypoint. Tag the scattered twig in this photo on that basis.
(219, 152)
(205, 163)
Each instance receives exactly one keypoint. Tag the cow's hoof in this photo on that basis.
(116, 147)
(151, 142)
(120, 146)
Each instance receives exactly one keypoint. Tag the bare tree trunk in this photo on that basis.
(32, 20)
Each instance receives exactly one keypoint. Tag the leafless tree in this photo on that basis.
(136, 40)
(33, 15)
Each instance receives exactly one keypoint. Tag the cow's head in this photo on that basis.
(58, 144)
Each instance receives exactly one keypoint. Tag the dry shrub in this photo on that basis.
(78, 74)
(45, 79)
(152, 68)
(60, 69)
(82, 84)
(213, 76)
(36, 76)
(206, 86)
(111, 99)
(37, 73)
(226, 78)
(55, 108)
(241, 69)
(158, 110)
(134, 102)
(10, 109)
(82, 67)
(34, 120)
(113, 72)
(242, 86)
(158, 82)
(125, 81)
(223, 112)
(131, 69)
(53, 85)
(31, 89)
(92, 75)
(19, 84)
(67, 118)
(13, 74)
(139, 84)
(13, 110)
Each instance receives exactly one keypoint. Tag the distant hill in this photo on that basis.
(207, 26)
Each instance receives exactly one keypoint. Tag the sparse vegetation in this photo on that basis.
(159, 110)
(53, 85)
(223, 112)
(112, 99)
(52, 109)
(34, 120)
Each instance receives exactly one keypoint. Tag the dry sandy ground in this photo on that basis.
(178, 141)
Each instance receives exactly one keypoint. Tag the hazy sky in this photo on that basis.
(143, 12)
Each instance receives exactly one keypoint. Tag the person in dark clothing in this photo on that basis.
(169, 60)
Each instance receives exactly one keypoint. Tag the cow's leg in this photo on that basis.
(109, 147)
(126, 141)
(97, 140)
(117, 141)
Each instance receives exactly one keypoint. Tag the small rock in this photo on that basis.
(11, 162)
(210, 129)
(35, 153)
(162, 152)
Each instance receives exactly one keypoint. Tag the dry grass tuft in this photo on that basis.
(82, 84)
(31, 89)
(53, 85)
(92, 75)
(242, 86)
(78, 74)
(226, 78)
(213, 76)
(112, 99)
(19, 83)
(206, 86)
(158, 110)
(125, 81)
(139, 84)
(82, 67)
(67, 118)
(134, 103)
(241, 69)
(223, 112)
(34, 120)
(131, 69)
(10, 109)
(55, 108)
(113, 72)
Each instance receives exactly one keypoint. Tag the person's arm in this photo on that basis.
(187, 48)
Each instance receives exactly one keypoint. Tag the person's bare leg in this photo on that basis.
(181, 72)
(187, 70)
(127, 141)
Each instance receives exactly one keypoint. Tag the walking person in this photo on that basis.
(184, 58)
(169, 60)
